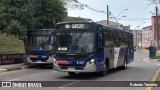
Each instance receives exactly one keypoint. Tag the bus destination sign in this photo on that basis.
(73, 26)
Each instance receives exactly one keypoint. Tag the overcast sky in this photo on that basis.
(138, 11)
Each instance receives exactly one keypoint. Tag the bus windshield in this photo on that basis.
(75, 42)
(38, 43)
(37, 40)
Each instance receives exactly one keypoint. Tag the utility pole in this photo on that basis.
(141, 39)
(107, 14)
(136, 38)
(157, 28)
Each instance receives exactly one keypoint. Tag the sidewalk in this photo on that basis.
(147, 58)
(12, 67)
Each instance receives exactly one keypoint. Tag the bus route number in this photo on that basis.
(74, 26)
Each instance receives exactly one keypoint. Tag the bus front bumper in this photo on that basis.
(90, 68)
(29, 61)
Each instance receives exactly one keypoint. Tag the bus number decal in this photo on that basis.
(77, 25)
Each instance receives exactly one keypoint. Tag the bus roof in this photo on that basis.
(75, 22)
(110, 27)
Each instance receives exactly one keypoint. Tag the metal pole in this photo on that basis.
(141, 39)
(157, 28)
(107, 15)
(136, 38)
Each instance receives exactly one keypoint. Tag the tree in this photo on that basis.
(154, 1)
(18, 16)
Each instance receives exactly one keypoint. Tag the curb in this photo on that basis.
(7, 69)
(147, 58)
(3, 70)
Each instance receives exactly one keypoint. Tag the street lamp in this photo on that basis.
(120, 18)
(120, 13)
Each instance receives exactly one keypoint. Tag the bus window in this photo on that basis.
(100, 39)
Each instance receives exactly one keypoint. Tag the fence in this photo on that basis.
(11, 59)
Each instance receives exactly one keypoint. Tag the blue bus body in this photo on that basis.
(38, 52)
(91, 47)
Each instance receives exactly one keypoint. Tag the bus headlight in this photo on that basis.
(90, 62)
(55, 61)
(50, 57)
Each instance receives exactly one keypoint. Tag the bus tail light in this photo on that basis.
(62, 62)
(32, 56)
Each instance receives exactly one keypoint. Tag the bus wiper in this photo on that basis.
(79, 36)
(76, 40)
(74, 45)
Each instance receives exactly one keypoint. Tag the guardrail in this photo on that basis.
(11, 59)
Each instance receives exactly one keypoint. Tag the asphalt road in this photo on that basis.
(138, 70)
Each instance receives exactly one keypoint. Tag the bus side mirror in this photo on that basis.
(100, 38)
(49, 40)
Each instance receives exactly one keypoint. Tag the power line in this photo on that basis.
(79, 5)
(134, 19)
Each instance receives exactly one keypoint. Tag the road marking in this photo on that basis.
(154, 78)
(69, 84)
(14, 79)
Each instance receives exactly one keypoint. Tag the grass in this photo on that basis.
(10, 45)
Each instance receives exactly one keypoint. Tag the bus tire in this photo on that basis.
(125, 64)
(71, 73)
(106, 69)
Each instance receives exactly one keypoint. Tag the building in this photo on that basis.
(146, 37)
(154, 30)
(137, 37)
(111, 23)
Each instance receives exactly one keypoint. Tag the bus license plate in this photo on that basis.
(71, 69)
(39, 61)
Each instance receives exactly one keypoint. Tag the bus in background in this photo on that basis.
(91, 47)
(38, 51)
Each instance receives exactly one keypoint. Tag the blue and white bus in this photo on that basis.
(83, 46)
(38, 52)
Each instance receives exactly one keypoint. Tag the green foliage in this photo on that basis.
(10, 45)
(75, 19)
(18, 16)
(154, 1)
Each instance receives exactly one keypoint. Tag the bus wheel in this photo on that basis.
(71, 73)
(125, 64)
(105, 71)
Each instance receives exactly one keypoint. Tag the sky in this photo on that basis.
(139, 11)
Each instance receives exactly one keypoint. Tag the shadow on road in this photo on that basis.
(41, 66)
(88, 76)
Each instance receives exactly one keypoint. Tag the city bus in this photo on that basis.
(38, 52)
(84, 46)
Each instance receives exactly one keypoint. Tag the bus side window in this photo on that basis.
(100, 39)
